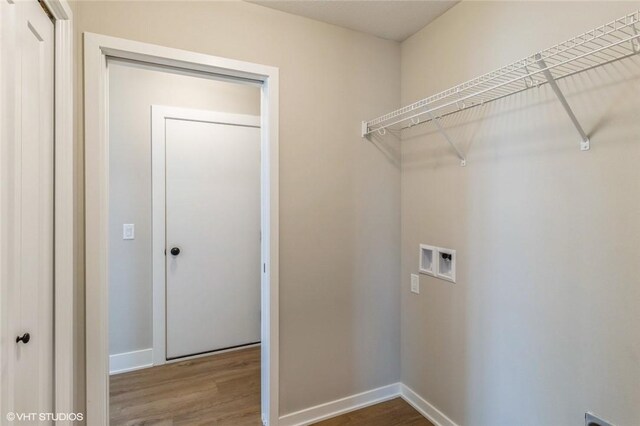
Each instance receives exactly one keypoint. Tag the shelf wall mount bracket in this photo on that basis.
(365, 130)
(461, 156)
(584, 143)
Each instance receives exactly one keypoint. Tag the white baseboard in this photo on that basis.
(206, 354)
(435, 416)
(355, 402)
(130, 361)
(340, 406)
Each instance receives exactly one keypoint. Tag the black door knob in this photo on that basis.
(175, 251)
(24, 338)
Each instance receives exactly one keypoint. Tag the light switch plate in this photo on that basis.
(128, 231)
(415, 284)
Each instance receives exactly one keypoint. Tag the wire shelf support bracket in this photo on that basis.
(636, 41)
(584, 143)
(461, 156)
(603, 45)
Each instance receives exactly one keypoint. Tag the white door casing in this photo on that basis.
(96, 49)
(27, 162)
(206, 179)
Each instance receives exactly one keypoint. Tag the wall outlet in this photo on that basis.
(415, 284)
(128, 231)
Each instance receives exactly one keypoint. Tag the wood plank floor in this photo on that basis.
(220, 390)
(395, 412)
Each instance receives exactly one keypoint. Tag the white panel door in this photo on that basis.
(213, 220)
(27, 216)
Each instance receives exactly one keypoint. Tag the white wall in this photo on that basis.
(133, 88)
(542, 324)
(339, 196)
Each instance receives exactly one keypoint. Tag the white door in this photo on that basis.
(27, 212)
(212, 232)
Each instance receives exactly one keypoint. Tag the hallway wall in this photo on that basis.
(339, 196)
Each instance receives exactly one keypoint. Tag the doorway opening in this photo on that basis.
(181, 198)
(184, 247)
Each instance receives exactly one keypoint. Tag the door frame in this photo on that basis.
(64, 235)
(65, 362)
(159, 113)
(97, 48)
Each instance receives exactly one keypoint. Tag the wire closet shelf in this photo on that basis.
(608, 43)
